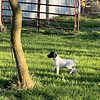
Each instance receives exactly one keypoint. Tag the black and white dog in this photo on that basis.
(62, 63)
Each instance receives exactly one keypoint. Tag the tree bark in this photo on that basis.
(23, 74)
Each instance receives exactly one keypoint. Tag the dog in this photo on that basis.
(62, 63)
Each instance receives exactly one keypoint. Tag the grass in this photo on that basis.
(84, 48)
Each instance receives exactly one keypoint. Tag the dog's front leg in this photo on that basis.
(57, 68)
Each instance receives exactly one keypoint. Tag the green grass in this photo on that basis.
(84, 48)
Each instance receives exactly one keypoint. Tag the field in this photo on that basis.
(84, 48)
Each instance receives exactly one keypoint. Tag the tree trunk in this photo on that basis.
(24, 78)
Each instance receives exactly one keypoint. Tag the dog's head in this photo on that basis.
(52, 54)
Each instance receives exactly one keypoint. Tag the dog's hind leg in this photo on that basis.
(73, 70)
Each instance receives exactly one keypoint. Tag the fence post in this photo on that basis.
(38, 15)
(79, 10)
(75, 16)
(47, 9)
(0, 12)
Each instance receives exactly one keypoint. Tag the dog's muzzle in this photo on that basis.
(48, 56)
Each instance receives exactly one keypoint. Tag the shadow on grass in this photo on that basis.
(90, 35)
(84, 78)
(89, 77)
(53, 86)
(66, 52)
(52, 77)
(85, 35)
(5, 83)
(4, 40)
(44, 72)
(5, 49)
(7, 74)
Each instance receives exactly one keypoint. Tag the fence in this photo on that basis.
(46, 9)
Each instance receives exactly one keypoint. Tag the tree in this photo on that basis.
(23, 74)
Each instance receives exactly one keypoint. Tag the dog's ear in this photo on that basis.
(52, 50)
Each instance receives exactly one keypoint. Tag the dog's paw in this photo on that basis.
(53, 70)
(73, 72)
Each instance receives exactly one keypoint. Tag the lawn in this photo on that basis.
(83, 48)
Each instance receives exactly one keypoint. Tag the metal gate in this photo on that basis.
(45, 10)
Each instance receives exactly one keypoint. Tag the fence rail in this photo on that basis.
(74, 11)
